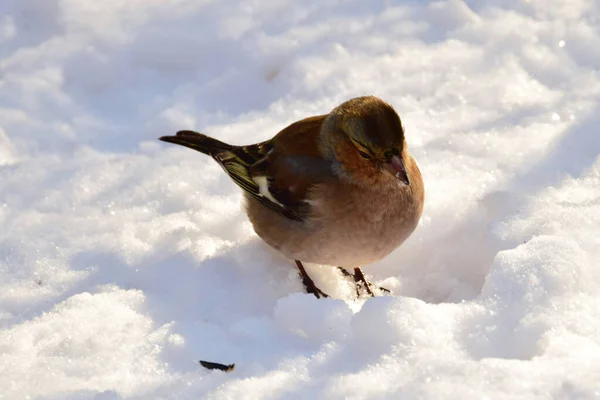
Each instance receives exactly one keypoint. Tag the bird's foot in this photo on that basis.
(361, 283)
(309, 284)
(313, 289)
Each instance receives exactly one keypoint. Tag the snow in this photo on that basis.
(124, 261)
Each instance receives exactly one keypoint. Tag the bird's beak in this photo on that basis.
(395, 166)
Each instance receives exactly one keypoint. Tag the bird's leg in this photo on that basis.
(361, 281)
(308, 282)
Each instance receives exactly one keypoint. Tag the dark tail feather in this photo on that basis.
(197, 141)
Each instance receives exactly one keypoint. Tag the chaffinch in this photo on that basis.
(338, 189)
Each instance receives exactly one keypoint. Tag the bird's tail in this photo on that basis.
(197, 141)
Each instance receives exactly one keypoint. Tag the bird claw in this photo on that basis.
(360, 286)
(384, 289)
(361, 283)
(313, 289)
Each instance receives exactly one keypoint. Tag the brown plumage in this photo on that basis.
(338, 189)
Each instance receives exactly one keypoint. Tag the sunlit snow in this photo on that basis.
(124, 261)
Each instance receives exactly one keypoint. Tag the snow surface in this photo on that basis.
(124, 261)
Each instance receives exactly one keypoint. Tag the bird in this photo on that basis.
(338, 189)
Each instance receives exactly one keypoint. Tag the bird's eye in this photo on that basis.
(364, 155)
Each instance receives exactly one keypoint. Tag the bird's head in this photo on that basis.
(365, 136)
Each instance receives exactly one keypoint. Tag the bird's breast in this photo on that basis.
(349, 226)
(362, 226)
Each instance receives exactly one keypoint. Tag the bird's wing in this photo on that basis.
(280, 172)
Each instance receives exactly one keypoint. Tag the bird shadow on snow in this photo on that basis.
(200, 286)
(451, 266)
(217, 305)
